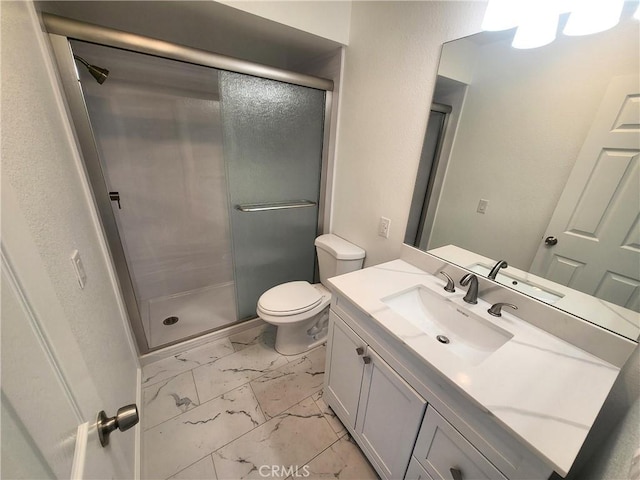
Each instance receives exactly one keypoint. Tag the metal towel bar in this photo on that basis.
(261, 207)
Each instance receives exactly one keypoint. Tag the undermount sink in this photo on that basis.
(469, 336)
(519, 284)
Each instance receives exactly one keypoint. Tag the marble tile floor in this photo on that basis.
(235, 408)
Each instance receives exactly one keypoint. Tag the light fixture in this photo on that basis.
(538, 26)
(537, 20)
(502, 15)
(593, 16)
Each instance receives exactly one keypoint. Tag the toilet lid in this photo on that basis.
(290, 298)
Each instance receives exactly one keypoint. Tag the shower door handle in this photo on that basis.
(262, 207)
(115, 197)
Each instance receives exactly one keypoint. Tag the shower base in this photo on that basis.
(197, 311)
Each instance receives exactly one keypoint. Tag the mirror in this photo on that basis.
(528, 145)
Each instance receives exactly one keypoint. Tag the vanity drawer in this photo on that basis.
(416, 471)
(446, 454)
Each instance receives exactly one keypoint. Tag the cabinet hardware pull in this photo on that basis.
(359, 350)
(456, 473)
(366, 360)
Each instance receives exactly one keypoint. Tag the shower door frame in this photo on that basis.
(61, 30)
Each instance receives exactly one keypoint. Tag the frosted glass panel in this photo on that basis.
(158, 133)
(272, 137)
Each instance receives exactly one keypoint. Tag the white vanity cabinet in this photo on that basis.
(446, 454)
(406, 418)
(378, 407)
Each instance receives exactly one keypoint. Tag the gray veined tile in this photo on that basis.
(168, 398)
(329, 414)
(298, 356)
(280, 389)
(234, 370)
(262, 334)
(343, 460)
(172, 366)
(201, 470)
(177, 443)
(284, 441)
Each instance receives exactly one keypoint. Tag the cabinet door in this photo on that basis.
(344, 369)
(416, 471)
(389, 416)
(446, 454)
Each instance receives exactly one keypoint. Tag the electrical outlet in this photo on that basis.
(383, 227)
(482, 206)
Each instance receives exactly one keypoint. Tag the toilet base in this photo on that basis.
(301, 337)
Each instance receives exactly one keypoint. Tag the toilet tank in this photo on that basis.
(337, 256)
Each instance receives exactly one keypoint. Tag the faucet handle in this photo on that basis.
(496, 308)
(450, 287)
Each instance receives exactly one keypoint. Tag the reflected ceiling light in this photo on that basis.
(537, 20)
(538, 26)
(593, 16)
(502, 15)
(637, 14)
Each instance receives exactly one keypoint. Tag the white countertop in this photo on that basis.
(608, 315)
(542, 389)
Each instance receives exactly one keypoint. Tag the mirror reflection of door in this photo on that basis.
(418, 228)
(596, 220)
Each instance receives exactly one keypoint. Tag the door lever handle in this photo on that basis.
(125, 418)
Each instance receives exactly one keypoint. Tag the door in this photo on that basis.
(596, 221)
(389, 416)
(65, 353)
(49, 399)
(344, 370)
(272, 141)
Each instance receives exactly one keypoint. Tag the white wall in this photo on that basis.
(328, 19)
(525, 118)
(41, 166)
(389, 75)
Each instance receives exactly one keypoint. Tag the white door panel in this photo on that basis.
(596, 220)
(60, 365)
(50, 425)
(47, 384)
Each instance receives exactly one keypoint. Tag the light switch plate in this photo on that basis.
(78, 268)
(482, 206)
(383, 227)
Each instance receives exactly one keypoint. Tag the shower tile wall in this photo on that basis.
(158, 132)
(228, 408)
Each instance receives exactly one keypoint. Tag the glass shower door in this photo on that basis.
(158, 132)
(272, 140)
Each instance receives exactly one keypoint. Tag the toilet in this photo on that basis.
(300, 310)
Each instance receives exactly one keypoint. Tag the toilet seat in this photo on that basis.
(290, 298)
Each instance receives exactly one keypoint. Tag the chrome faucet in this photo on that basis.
(450, 287)
(496, 267)
(496, 308)
(472, 293)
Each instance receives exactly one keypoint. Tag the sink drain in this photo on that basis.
(170, 321)
(442, 339)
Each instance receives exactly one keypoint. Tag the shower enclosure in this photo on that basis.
(208, 181)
